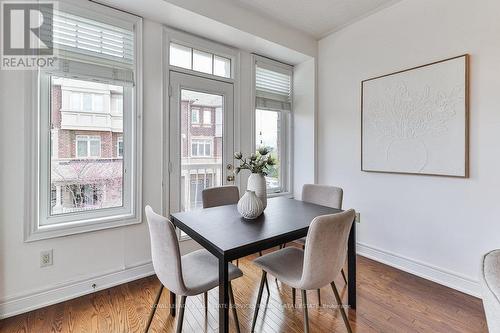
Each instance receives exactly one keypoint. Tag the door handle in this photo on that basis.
(230, 178)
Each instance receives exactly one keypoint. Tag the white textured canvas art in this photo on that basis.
(416, 121)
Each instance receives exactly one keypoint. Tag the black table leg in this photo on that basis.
(351, 266)
(223, 296)
(172, 304)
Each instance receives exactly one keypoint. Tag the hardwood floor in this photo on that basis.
(389, 300)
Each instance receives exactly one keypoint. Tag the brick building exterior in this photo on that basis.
(87, 145)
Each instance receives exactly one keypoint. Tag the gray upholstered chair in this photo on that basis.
(316, 266)
(490, 281)
(324, 195)
(187, 275)
(222, 196)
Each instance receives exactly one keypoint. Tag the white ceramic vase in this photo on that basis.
(257, 183)
(249, 206)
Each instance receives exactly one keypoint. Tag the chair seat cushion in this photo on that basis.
(200, 270)
(285, 264)
(491, 289)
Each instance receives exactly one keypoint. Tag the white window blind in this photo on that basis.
(88, 48)
(273, 86)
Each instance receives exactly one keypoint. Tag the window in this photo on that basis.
(75, 101)
(98, 103)
(273, 96)
(119, 147)
(86, 102)
(201, 148)
(207, 117)
(180, 56)
(268, 133)
(195, 116)
(222, 66)
(88, 146)
(200, 61)
(82, 185)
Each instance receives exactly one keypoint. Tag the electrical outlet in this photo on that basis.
(46, 258)
(358, 217)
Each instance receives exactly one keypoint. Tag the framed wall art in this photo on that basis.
(415, 121)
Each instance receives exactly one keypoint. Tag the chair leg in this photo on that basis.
(205, 296)
(180, 320)
(237, 262)
(306, 314)
(343, 275)
(319, 297)
(155, 306)
(233, 307)
(293, 297)
(342, 310)
(267, 284)
(259, 298)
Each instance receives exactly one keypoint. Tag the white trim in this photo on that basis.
(40, 298)
(424, 270)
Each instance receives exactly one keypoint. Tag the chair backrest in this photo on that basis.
(326, 249)
(165, 252)
(220, 196)
(324, 195)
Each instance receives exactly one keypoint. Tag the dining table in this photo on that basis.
(228, 236)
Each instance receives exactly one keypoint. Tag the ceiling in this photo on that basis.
(317, 18)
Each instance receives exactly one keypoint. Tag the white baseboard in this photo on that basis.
(447, 278)
(41, 298)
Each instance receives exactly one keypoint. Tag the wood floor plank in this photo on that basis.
(389, 300)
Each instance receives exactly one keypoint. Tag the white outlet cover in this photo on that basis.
(46, 258)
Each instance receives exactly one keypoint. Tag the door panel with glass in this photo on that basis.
(201, 138)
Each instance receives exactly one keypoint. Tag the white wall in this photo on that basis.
(433, 226)
(107, 257)
(304, 135)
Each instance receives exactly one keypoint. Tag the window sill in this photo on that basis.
(77, 227)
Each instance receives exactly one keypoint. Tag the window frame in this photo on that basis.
(172, 35)
(286, 119)
(38, 187)
(206, 50)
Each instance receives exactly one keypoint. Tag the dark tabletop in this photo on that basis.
(223, 230)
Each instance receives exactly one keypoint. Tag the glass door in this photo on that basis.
(201, 138)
